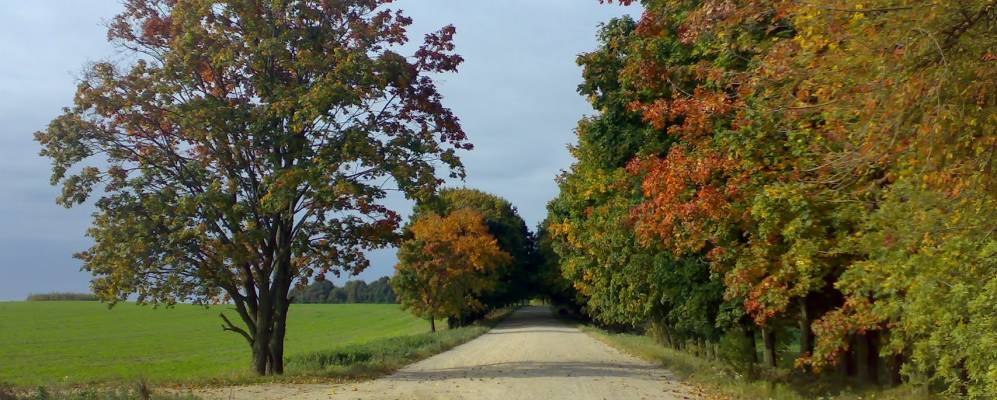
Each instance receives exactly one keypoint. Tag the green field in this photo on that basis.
(46, 343)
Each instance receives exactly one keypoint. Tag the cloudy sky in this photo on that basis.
(515, 94)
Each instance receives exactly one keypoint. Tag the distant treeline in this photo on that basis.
(61, 296)
(378, 291)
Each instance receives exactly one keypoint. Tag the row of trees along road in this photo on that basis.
(465, 252)
(246, 146)
(818, 175)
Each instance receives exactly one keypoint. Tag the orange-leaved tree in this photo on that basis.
(445, 263)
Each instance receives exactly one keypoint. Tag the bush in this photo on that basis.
(62, 296)
(737, 350)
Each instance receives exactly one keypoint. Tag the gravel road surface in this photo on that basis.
(529, 355)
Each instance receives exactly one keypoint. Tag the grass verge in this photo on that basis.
(720, 381)
(381, 356)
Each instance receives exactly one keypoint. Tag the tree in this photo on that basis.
(247, 147)
(507, 226)
(906, 105)
(832, 162)
(622, 280)
(315, 293)
(446, 264)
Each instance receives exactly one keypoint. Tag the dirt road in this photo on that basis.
(530, 355)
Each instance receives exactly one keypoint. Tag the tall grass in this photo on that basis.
(62, 296)
(726, 382)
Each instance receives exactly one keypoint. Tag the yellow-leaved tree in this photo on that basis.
(444, 263)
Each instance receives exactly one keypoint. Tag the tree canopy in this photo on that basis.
(507, 226)
(822, 169)
(446, 264)
(248, 146)
(353, 291)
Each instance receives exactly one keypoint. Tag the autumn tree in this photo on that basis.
(905, 100)
(445, 265)
(507, 226)
(830, 161)
(620, 280)
(246, 147)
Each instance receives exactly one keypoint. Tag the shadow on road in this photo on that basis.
(528, 322)
(532, 317)
(535, 370)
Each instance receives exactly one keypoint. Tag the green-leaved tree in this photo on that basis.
(247, 146)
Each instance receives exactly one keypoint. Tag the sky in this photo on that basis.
(515, 95)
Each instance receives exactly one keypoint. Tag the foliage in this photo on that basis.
(549, 281)
(507, 226)
(825, 167)
(247, 147)
(61, 296)
(447, 264)
(590, 222)
(355, 291)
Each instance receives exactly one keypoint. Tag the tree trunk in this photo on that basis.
(711, 353)
(432, 324)
(848, 359)
(806, 334)
(872, 361)
(893, 365)
(861, 356)
(749, 332)
(281, 286)
(261, 340)
(277, 340)
(769, 354)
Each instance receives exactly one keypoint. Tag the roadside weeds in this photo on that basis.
(718, 381)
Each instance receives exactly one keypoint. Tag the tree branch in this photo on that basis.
(232, 328)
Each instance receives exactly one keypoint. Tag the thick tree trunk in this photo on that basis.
(277, 340)
(281, 287)
(432, 324)
(769, 354)
(261, 339)
(264, 309)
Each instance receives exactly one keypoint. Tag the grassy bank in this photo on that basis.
(72, 342)
(723, 382)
